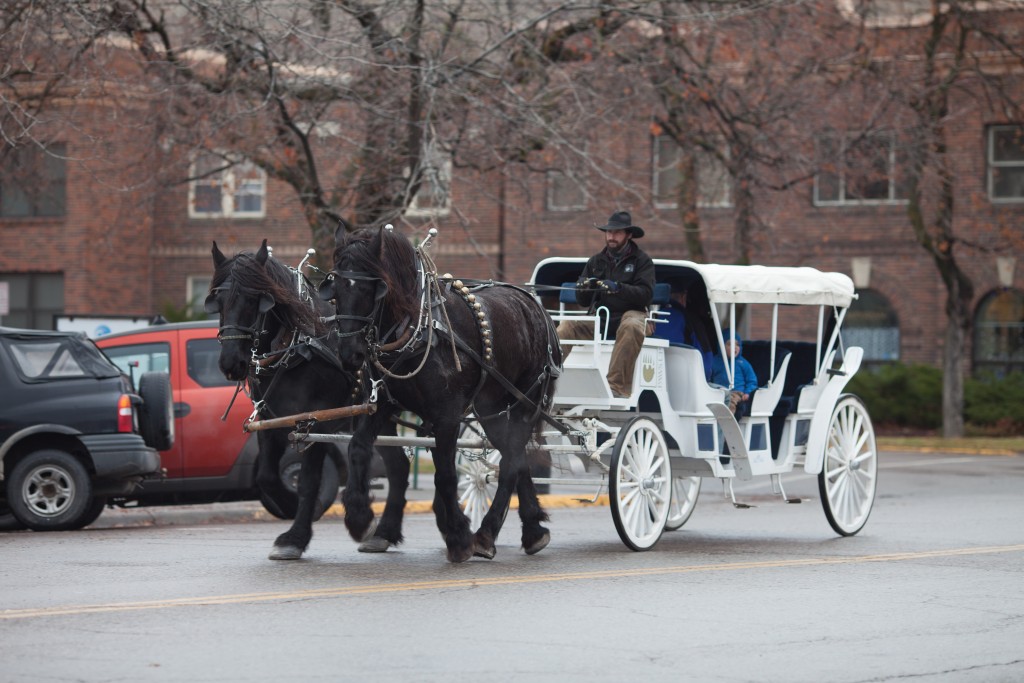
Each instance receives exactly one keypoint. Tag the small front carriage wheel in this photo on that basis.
(478, 476)
(684, 500)
(849, 474)
(640, 483)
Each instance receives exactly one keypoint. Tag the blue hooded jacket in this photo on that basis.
(746, 378)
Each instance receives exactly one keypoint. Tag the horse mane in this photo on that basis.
(388, 255)
(250, 277)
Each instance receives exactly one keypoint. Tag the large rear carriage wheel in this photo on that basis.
(640, 483)
(849, 475)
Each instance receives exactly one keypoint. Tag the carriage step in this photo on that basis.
(730, 430)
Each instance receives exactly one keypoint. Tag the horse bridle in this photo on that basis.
(369, 329)
(254, 332)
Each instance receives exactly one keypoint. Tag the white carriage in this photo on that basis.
(651, 451)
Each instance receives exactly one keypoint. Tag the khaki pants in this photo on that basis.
(628, 340)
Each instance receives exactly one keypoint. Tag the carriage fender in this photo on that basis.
(822, 420)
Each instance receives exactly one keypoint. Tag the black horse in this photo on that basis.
(429, 342)
(274, 337)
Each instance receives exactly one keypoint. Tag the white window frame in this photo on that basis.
(196, 288)
(436, 172)
(230, 184)
(704, 162)
(551, 179)
(843, 200)
(992, 164)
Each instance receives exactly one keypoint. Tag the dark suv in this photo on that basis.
(74, 432)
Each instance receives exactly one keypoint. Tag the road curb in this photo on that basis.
(549, 501)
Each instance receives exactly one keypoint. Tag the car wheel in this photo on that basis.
(50, 490)
(156, 416)
(8, 522)
(289, 468)
(91, 514)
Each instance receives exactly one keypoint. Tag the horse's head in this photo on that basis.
(373, 285)
(257, 300)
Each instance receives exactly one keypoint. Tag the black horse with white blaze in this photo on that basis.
(444, 351)
(273, 337)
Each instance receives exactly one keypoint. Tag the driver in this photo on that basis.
(621, 278)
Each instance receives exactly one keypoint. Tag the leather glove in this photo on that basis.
(587, 283)
(608, 285)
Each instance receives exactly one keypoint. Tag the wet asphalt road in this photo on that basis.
(931, 590)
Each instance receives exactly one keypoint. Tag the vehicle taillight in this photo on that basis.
(125, 419)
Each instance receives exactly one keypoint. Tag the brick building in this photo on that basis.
(82, 234)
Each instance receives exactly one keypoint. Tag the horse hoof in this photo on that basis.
(456, 557)
(285, 552)
(487, 553)
(541, 543)
(375, 544)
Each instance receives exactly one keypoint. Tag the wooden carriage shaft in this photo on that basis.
(314, 416)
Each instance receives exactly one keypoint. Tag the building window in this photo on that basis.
(226, 188)
(33, 182)
(564, 192)
(34, 300)
(866, 169)
(999, 333)
(714, 185)
(196, 289)
(434, 195)
(1006, 163)
(871, 324)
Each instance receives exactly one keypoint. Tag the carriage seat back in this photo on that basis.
(567, 295)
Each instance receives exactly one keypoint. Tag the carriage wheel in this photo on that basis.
(640, 484)
(476, 488)
(684, 500)
(849, 475)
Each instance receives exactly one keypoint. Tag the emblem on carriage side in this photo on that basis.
(650, 368)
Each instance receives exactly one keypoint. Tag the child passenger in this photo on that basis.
(745, 381)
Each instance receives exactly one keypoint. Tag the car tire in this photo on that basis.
(50, 490)
(288, 470)
(8, 522)
(156, 416)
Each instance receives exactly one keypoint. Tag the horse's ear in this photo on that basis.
(262, 254)
(377, 245)
(341, 232)
(266, 302)
(218, 257)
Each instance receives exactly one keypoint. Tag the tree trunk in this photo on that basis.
(688, 193)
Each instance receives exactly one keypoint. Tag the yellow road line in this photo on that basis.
(337, 592)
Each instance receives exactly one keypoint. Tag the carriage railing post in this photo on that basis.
(775, 333)
(821, 334)
(718, 333)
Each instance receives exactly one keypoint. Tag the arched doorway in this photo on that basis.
(999, 333)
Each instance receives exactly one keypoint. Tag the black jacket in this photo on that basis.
(634, 274)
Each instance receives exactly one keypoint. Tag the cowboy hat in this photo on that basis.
(621, 220)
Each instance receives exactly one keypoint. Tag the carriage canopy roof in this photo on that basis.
(729, 284)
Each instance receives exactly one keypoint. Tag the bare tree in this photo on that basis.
(951, 59)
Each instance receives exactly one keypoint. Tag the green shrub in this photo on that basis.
(901, 395)
(910, 396)
(995, 403)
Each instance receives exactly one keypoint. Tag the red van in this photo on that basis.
(212, 459)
